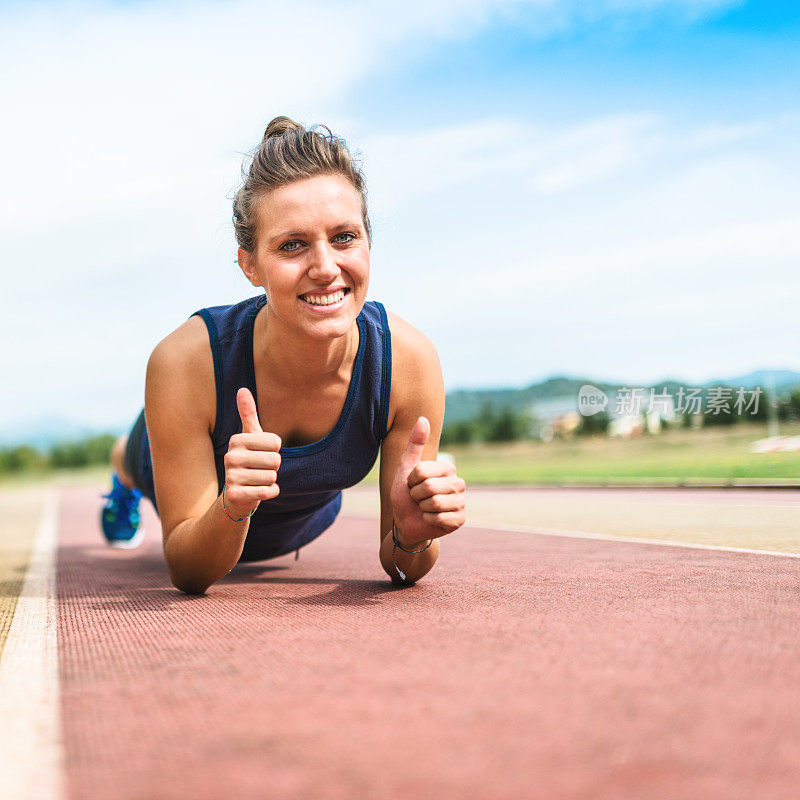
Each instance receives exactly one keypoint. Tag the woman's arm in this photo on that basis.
(424, 497)
(201, 543)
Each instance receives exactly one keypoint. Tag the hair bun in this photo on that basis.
(279, 126)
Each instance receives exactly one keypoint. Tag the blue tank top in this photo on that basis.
(311, 477)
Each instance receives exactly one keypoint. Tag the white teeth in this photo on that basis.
(324, 300)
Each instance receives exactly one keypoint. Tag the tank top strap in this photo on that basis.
(227, 332)
(377, 365)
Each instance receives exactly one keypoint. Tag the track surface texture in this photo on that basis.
(522, 666)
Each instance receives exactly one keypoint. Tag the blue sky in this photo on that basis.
(742, 53)
(606, 189)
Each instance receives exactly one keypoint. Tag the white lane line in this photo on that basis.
(31, 748)
(609, 538)
(638, 498)
(501, 526)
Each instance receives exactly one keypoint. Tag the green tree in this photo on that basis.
(789, 407)
(594, 425)
(25, 458)
(69, 454)
(463, 432)
(98, 448)
(485, 421)
(508, 426)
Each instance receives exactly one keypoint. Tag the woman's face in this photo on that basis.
(311, 244)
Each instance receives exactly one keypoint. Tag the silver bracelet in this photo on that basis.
(396, 544)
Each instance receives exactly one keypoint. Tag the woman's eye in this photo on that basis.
(293, 245)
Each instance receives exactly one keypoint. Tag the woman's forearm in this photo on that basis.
(200, 551)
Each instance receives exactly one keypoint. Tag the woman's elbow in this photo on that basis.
(189, 586)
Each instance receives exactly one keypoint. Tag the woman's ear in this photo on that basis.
(247, 265)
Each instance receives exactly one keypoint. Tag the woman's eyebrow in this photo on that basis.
(302, 233)
(349, 224)
(286, 233)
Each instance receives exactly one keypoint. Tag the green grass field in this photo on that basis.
(95, 474)
(719, 455)
(714, 454)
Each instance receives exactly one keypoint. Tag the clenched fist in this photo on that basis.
(252, 461)
(428, 497)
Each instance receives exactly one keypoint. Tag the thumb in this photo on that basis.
(416, 442)
(248, 411)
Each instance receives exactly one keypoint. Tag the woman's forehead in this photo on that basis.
(321, 198)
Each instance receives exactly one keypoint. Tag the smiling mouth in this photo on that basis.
(331, 299)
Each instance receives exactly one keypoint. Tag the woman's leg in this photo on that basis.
(118, 462)
(119, 517)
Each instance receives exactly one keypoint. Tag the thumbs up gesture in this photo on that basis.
(428, 497)
(252, 461)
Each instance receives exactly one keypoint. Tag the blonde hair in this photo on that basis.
(287, 153)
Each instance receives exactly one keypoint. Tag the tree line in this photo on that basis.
(82, 453)
(508, 424)
(491, 425)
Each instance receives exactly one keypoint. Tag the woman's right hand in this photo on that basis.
(252, 461)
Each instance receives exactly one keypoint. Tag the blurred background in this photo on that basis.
(573, 200)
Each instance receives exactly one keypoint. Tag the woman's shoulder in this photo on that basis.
(186, 344)
(415, 364)
(409, 344)
(181, 366)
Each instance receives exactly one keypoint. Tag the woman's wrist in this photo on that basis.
(412, 564)
(403, 542)
(231, 511)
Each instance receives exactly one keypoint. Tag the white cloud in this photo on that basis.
(124, 128)
(679, 258)
(550, 159)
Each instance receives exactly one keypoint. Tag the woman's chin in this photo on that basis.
(327, 327)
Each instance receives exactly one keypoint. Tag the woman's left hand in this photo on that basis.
(428, 497)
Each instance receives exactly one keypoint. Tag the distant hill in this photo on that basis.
(559, 393)
(462, 404)
(784, 380)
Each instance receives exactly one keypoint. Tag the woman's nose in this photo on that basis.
(323, 264)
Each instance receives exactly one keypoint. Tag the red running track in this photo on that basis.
(522, 666)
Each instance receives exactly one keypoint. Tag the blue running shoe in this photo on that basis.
(120, 516)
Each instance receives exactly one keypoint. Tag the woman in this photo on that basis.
(258, 414)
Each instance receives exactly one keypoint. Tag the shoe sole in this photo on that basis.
(128, 544)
